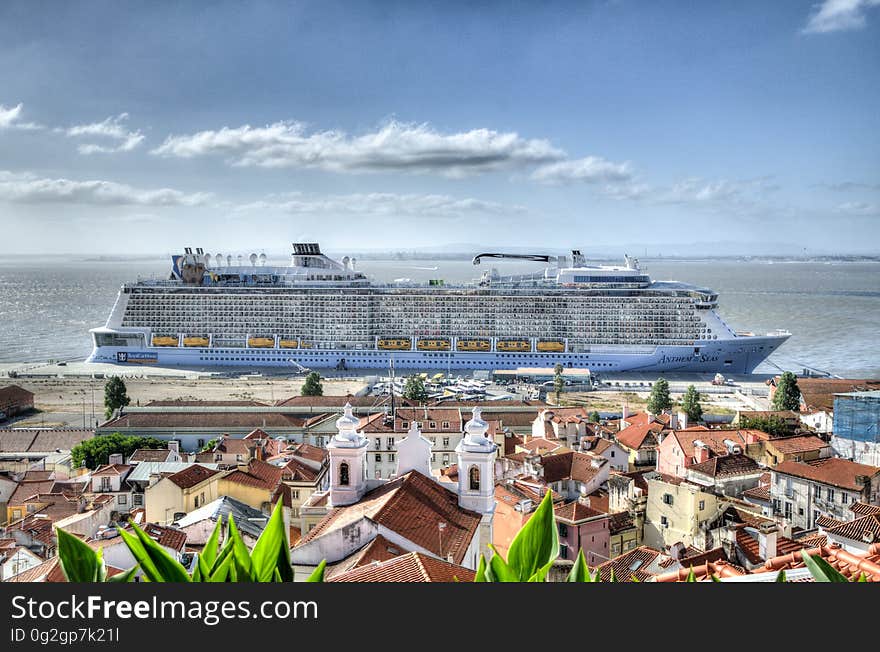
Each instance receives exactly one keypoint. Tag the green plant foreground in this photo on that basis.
(530, 558)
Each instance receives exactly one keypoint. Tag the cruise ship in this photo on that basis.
(317, 312)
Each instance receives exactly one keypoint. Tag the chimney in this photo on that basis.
(701, 451)
(174, 445)
(115, 458)
(767, 542)
(682, 421)
(673, 422)
(625, 413)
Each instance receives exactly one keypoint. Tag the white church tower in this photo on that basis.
(414, 453)
(348, 461)
(476, 473)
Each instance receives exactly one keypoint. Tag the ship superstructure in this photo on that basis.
(318, 312)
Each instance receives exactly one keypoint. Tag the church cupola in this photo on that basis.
(348, 461)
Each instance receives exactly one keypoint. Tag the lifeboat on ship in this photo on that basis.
(395, 344)
(196, 340)
(286, 343)
(513, 346)
(165, 340)
(261, 342)
(473, 345)
(551, 346)
(433, 345)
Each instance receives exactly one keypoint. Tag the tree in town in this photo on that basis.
(772, 425)
(115, 395)
(210, 445)
(690, 403)
(96, 451)
(414, 389)
(788, 394)
(558, 381)
(594, 417)
(659, 399)
(312, 386)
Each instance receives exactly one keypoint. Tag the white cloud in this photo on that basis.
(113, 129)
(395, 147)
(30, 189)
(10, 118)
(839, 15)
(858, 208)
(591, 169)
(380, 204)
(846, 186)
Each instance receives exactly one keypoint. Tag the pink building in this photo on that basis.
(681, 449)
(582, 528)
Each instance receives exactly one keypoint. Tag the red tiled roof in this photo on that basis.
(850, 564)
(412, 506)
(758, 493)
(633, 563)
(827, 522)
(185, 403)
(793, 445)
(15, 394)
(834, 471)
(28, 489)
(713, 439)
(257, 433)
(233, 446)
(864, 509)
(166, 536)
(411, 567)
(818, 393)
(702, 572)
(296, 471)
(310, 452)
(726, 466)
(192, 475)
(635, 436)
(575, 512)
(620, 521)
(219, 421)
(150, 455)
(111, 469)
(379, 549)
(865, 529)
(570, 464)
(541, 445)
(750, 546)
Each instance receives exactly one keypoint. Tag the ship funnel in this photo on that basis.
(228, 260)
(219, 258)
(240, 259)
(262, 259)
(207, 260)
(253, 259)
(345, 261)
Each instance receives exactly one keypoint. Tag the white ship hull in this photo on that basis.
(739, 355)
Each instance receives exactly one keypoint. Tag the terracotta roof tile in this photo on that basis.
(638, 435)
(379, 549)
(726, 466)
(150, 455)
(865, 529)
(851, 564)
(620, 521)
(834, 471)
(218, 421)
(794, 445)
(412, 567)
(192, 475)
(412, 506)
(111, 469)
(575, 512)
(637, 562)
(310, 452)
(864, 509)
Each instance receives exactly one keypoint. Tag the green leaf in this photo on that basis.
(240, 553)
(209, 552)
(498, 570)
(691, 577)
(714, 577)
(272, 552)
(862, 578)
(78, 561)
(780, 577)
(124, 578)
(613, 577)
(579, 572)
(633, 578)
(481, 570)
(821, 570)
(318, 574)
(537, 542)
(168, 568)
(224, 572)
(151, 573)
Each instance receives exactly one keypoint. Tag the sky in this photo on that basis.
(680, 127)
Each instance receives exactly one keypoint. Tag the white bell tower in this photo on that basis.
(348, 461)
(476, 467)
